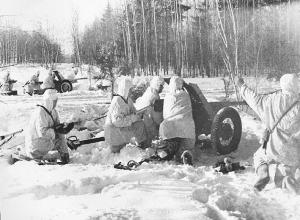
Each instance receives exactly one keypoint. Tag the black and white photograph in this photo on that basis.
(149, 109)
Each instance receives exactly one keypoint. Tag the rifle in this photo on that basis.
(142, 110)
(73, 142)
(26, 84)
(7, 137)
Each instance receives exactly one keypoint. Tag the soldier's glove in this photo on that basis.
(239, 81)
(64, 128)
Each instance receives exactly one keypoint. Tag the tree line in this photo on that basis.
(18, 46)
(200, 37)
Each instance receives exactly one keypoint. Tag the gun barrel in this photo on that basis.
(90, 141)
(80, 78)
(103, 116)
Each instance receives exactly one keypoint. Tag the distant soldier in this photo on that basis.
(7, 82)
(35, 77)
(33, 83)
(76, 71)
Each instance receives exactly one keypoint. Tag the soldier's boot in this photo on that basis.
(263, 177)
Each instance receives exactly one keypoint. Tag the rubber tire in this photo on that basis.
(222, 114)
(65, 83)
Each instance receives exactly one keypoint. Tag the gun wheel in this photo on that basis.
(226, 130)
(66, 86)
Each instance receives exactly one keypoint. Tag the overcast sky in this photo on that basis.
(54, 15)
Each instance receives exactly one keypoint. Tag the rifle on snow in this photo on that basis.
(7, 137)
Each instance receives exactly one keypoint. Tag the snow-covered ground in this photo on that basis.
(89, 188)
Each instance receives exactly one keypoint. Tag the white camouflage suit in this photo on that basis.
(283, 147)
(40, 137)
(178, 118)
(6, 82)
(122, 123)
(33, 83)
(152, 119)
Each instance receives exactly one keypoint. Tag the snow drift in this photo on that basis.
(89, 188)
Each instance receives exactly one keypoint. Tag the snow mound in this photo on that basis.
(201, 194)
(86, 116)
(90, 188)
(99, 153)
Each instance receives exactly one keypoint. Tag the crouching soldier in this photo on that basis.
(41, 135)
(33, 83)
(178, 127)
(152, 117)
(280, 113)
(7, 82)
(122, 122)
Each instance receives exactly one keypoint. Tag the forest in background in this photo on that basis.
(189, 38)
(194, 38)
(19, 46)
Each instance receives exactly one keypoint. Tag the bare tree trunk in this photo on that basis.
(128, 34)
(144, 35)
(75, 35)
(125, 41)
(135, 35)
(56, 57)
(155, 35)
(232, 71)
(166, 43)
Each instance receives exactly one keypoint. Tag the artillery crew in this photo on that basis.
(176, 127)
